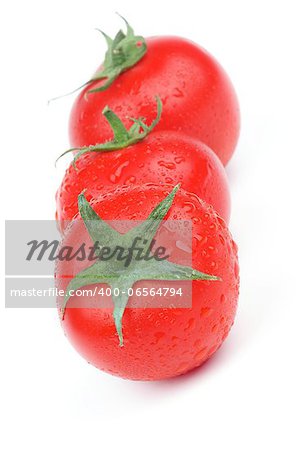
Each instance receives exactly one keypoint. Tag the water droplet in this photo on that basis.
(67, 188)
(130, 180)
(201, 239)
(222, 298)
(158, 336)
(234, 246)
(182, 246)
(191, 324)
(214, 328)
(183, 366)
(167, 164)
(200, 354)
(178, 93)
(236, 269)
(212, 349)
(117, 174)
(221, 238)
(189, 206)
(206, 311)
(179, 159)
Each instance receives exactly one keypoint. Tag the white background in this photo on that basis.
(246, 396)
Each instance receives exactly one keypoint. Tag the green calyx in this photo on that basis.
(115, 271)
(124, 52)
(122, 137)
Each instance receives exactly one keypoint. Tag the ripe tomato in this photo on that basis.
(166, 157)
(196, 93)
(158, 342)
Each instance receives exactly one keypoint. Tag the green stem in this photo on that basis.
(114, 271)
(122, 137)
(123, 52)
(120, 132)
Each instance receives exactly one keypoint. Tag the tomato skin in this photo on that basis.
(159, 343)
(161, 158)
(197, 95)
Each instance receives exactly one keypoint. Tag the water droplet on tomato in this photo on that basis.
(179, 159)
(167, 164)
(206, 311)
(191, 324)
(182, 246)
(188, 206)
(222, 298)
(130, 180)
(118, 172)
(158, 336)
(199, 356)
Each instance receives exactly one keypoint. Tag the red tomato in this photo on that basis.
(158, 342)
(197, 95)
(166, 157)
